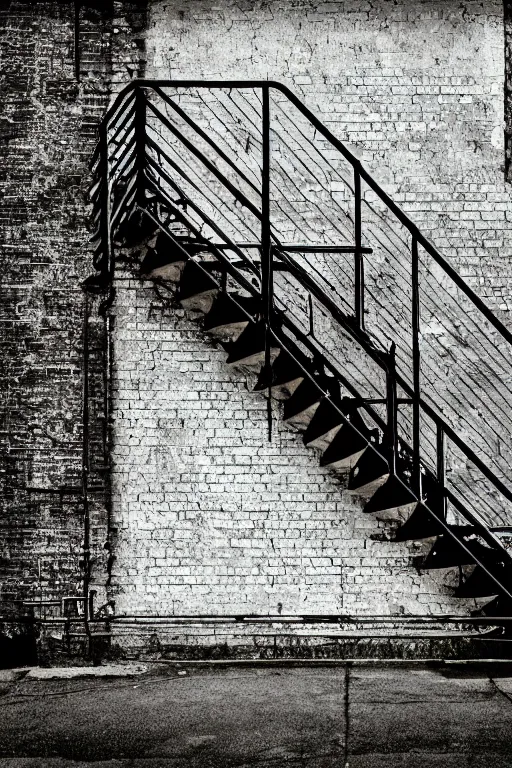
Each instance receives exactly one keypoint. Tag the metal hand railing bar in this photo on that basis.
(180, 171)
(266, 618)
(129, 115)
(228, 131)
(179, 165)
(123, 160)
(237, 194)
(305, 248)
(200, 132)
(250, 265)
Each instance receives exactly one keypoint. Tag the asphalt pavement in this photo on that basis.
(206, 716)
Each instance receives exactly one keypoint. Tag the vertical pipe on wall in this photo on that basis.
(358, 256)
(266, 245)
(392, 408)
(85, 460)
(416, 370)
(441, 464)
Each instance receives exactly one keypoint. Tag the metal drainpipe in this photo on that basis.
(85, 467)
(107, 440)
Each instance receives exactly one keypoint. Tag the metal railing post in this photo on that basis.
(358, 256)
(392, 408)
(267, 281)
(416, 371)
(140, 143)
(441, 465)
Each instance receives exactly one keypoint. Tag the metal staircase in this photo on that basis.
(267, 228)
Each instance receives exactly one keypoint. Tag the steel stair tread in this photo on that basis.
(283, 378)
(369, 473)
(346, 448)
(197, 288)
(447, 552)
(394, 496)
(480, 584)
(300, 407)
(420, 525)
(326, 421)
(249, 348)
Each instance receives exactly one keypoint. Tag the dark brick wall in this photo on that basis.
(48, 124)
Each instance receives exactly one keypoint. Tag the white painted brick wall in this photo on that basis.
(211, 517)
(415, 86)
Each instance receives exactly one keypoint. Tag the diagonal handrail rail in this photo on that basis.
(347, 154)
